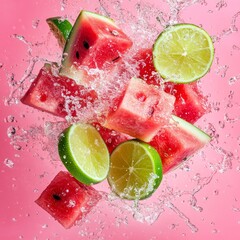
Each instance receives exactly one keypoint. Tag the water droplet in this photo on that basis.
(11, 131)
(44, 226)
(9, 163)
(35, 23)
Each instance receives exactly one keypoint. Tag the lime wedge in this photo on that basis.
(183, 53)
(135, 170)
(84, 153)
(60, 28)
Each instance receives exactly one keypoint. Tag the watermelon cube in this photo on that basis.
(58, 95)
(178, 142)
(111, 137)
(68, 200)
(143, 110)
(94, 42)
(190, 104)
(145, 67)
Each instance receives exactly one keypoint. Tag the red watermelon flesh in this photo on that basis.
(68, 200)
(178, 142)
(111, 137)
(94, 42)
(143, 110)
(57, 95)
(190, 104)
(145, 67)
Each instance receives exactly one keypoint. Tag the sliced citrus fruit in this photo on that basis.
(135, 170)
(60, 28)
(84, 153)
(183, 53)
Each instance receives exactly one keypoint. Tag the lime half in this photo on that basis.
(183, 53)
(135, 170)
(84, 153)
(60, 28)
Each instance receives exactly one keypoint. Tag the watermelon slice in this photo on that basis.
(68, 200)
(94, 42)
(143, 110)
(57, 95)
(178, 142)
(190, 104)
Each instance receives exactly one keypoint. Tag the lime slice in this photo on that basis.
(60, 28)
(183, 53)
(135, 170)
(84, 153)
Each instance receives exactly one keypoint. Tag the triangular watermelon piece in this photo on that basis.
(94, 42)
(57, 95)
(178, 142)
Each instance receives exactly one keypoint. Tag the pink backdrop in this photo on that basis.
(211, 178)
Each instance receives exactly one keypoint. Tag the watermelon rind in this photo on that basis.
(192, 130)
(61, 29)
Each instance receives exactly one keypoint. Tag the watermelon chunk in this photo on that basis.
(94, 42)
(190, 104)
(68, 200)
(145, 67)
(143, 110)
(111, 137)
(178, 142)
(57, 95)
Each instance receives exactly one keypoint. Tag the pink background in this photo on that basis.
(211, 176)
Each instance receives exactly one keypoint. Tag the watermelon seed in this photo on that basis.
(77, 55)
(86, 44)
(115, 59)
(56, 197)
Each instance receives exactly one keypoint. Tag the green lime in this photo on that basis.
(84, 153)
(135, 170)
(183, 53)
(60, 28)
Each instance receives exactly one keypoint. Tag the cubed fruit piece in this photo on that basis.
(94, 42)
(58, 95)
(68, 200)
(144, 64)
(177, 142)
(111, 137)
(143, 110)
(190, 104)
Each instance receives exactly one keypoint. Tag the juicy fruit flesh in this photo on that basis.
(143, 110)
(84, 153)
(98, 43)
(57, 95)
(135, 171)
(183, 53)
(67, 200)
(178, 142)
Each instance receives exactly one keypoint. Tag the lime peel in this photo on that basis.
(84, 153)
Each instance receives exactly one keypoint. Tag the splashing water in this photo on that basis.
(46, 136)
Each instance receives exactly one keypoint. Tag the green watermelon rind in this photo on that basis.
(67, 68)
(192, 130)
(61, 29)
